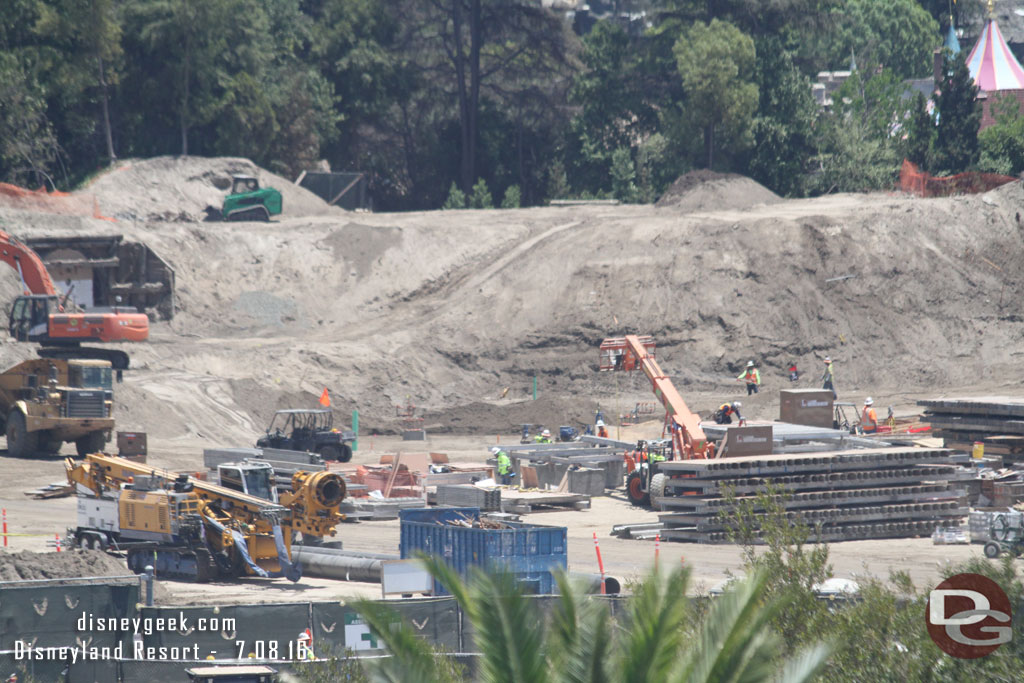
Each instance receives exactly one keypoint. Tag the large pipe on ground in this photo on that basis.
(339, 564)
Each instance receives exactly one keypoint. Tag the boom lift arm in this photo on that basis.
(633, 351)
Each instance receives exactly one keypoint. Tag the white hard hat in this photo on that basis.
(546, 432)
(868, 401)
(303, 636)
(828, 359)
(600, 423)
(495, 450)
(737, 404)
(750, 363)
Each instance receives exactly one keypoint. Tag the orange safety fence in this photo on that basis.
(916, 181)
(14, 197)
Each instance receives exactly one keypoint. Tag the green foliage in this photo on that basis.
(512, 198)
(920, 133)
(897, 34)
(28, 146)
(858, 147)
(783, 127)
(656, 641)
(1002, 144)
(456, 198)
(959, 113)
(623, 176)
(715, 62)
(481, 197)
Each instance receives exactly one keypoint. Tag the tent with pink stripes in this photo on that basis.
(992, 65)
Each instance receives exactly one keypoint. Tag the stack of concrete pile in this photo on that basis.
(995, 421)
(854, 494)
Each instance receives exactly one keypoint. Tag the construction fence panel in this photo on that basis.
(227, 631)
(50, 615)
(339, 627)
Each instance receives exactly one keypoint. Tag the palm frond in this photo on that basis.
(507, 628)
(412, 659)
(651, 640)
(580, 634)
(805, 665)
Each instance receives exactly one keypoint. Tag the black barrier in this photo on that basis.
(266, 631)
(339, 627)
(44, 616)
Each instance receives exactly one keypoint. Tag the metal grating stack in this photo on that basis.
(871, 493)
(997, 421)
(467, 495)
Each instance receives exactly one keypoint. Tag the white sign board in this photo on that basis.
(404, 576)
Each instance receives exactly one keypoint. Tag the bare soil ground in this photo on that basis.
(458, 311)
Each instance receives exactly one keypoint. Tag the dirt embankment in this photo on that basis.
(448, 309)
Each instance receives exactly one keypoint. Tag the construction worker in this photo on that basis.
(868, 417)
(543, 437)
(602, 431)
(752, 377)
(305, 645)
(723, 415)
(505, 473)
(828, 378)
(794, 374)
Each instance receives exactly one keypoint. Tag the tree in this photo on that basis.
(511, 200)
(479, 48)
(456, 198)
(783, 127)
(1002, 144)
(716, 63)
(920, 132)
(578, 643)
(623, 174)
(481, 197)
(959, 113)
(897, 34)
(28, 146)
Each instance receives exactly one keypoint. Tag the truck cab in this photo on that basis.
(253, 478)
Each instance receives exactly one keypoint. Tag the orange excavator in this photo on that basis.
(682, 425)
(40, 316)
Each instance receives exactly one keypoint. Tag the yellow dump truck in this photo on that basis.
(48, 401)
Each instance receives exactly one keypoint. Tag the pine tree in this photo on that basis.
(959, 113)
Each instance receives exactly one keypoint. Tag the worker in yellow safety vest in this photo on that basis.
(828, 378)
(752, 377)
(505, 473)
(543, 437)
(868, 417)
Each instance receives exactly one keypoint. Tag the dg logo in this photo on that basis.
(969, 616)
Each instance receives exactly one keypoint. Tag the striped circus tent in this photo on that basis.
(992, 65)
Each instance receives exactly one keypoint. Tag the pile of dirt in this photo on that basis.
(172, 188)
(66, 565)
(505, 417)
(705, 190)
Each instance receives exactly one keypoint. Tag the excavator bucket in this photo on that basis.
(616, 353)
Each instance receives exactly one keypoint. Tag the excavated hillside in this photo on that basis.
(448, 309)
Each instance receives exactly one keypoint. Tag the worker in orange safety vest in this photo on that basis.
(868, 417)
(752, 377)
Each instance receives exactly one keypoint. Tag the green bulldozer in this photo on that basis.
(247, 201)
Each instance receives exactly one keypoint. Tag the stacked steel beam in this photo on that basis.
(845, 495)
(997, 421)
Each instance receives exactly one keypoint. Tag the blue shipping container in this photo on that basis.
(531, 552)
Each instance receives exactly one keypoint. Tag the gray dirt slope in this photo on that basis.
(448, 309)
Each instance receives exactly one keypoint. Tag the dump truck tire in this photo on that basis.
(21, 443)
(92, 442)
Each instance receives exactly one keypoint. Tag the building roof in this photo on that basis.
(952, 42)
(992, 65)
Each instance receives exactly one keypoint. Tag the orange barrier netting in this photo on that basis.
(65, 203)
(916, 181)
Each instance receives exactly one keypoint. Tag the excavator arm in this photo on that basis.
(632, 352)
(35, 279)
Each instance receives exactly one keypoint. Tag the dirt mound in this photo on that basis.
(704, 190)
(171, 188)
(502, 418)
(65, 565)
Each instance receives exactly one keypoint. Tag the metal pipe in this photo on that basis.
(592, 583)
(339, 567)
(302, 549)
